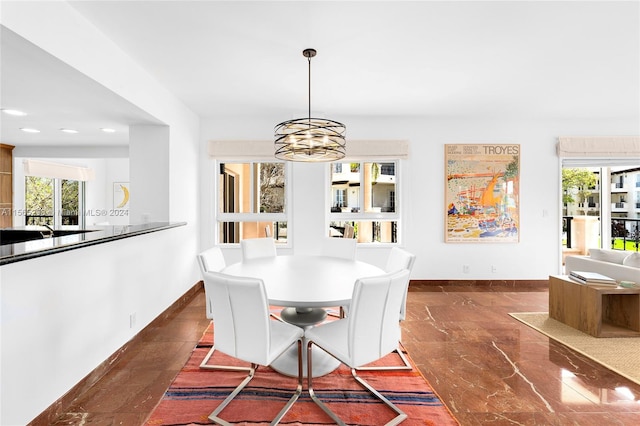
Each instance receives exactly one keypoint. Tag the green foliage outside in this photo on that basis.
(577, 179)
(39, 204)
(70, 207)
(375, 172)
(39, 200)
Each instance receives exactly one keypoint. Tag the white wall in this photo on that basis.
(74, 307)
(64, 314)
(149, 153)
(538, 253)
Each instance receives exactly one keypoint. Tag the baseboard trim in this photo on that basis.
(479, 285)
(59, 407)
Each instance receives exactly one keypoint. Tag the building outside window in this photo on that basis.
(364, 196)
(601, 201)
(252, 201)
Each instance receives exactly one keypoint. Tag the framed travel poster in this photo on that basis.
(482, 193)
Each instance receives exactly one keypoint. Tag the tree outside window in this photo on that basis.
(577, 183)
(44, 207)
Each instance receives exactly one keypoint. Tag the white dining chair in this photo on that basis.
(257, 248)
(343, 248)
(398, 260)
(370, 332)
(244, 331)
(212, 260)
(254, 248)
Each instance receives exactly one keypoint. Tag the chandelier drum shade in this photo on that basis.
(310, 139)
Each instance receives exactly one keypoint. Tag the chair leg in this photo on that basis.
(341, 314)
(406, 365)
(205, 366)
(312, 393)
(214, 416)
(298, 392)
(401, 416)
(276, 317)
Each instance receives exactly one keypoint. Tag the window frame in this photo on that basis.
(605, 187)
(362, 216)
(220, 217)
(56, 194)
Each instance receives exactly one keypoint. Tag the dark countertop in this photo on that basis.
(16, 252)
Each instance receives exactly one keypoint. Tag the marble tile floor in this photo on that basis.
(488, 368)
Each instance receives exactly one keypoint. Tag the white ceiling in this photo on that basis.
(509, 59)
(57, 96)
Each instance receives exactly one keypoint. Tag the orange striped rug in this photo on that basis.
(195, 393)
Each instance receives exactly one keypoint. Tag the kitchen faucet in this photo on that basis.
(51, 231)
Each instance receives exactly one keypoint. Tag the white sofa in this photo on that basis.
(617, 264)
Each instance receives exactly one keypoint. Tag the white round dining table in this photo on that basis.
(305, 282)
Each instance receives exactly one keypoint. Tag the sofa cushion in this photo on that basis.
(632, 260)
(606, 255)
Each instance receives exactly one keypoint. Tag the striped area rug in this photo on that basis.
(195, 393)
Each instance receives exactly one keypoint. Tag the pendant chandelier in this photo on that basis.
(310, 139)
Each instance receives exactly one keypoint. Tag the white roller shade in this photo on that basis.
(377, 149)
(57, 170)
(263, 150)
(599, 146)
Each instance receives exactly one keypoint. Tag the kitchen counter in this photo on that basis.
(72, 238)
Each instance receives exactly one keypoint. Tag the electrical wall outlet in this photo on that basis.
(465, 269)
(132, 320)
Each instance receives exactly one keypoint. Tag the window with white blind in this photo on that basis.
(252, 201)
(53, 201)
(364, 196)
(606, 211)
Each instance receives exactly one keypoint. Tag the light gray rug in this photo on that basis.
(619, 354)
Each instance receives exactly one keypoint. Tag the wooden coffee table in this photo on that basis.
(598, 311)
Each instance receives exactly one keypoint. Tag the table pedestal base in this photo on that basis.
(287, 363)
(303, 317)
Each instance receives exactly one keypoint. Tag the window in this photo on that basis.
(600, 203)
(252, 201)
(596, 207)
(53, 202)
(364, 195)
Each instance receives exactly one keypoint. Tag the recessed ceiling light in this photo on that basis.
(29, 130)
(14, 112)
(107, 130)
(68, 130)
